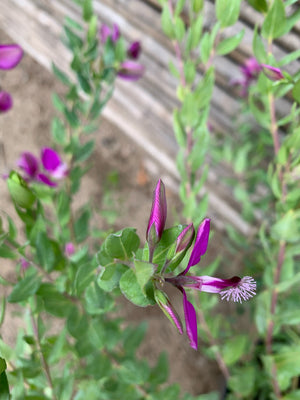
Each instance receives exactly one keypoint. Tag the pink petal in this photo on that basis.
(29, 163)
(50, 159)
(200, 245)
(158, 214)
(190, 321)
(134, 50)
(5, 101)
(131, 71)
(272, 73)
(10, 55)
(42, 178)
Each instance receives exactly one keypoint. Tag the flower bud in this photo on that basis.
(164, 303)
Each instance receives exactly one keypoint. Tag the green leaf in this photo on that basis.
(87, 10)
(179, 129)
(45, 251)
(197, 5)
(242, 382)
(179, 7)
(259, 5)
(134, 372)
(58, 131)
(166, 22)
(25, 288)
(7, 252)
(2, 365)
(179, 28)
(287, 364)
(97, 300)
(84, 83)
(296, 91)
(295, 395)
(21, 194)
(287, 228)
(62, 76)
(259, 50)
(275, 21)
(144, 272)
(132, 290)
(110, 276)
(123, 244)
(229, 44)
(63, 208)
(227, 11)
(55, 302)
(58, 103)
(82, 153)
(74, 41)
(84, 276)
(92, 30)
(4, 388)
(82, 225)
(234, 348)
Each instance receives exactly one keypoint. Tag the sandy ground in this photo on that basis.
(27, 127)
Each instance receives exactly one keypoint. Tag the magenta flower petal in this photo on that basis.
(131, 71)
(5, 101)
(251, 68)
(200, 245)
(235, 289)
(42, 178)
(10, 55)
(166, 306)
(190, 321)
(272, 73)
(69, 249)
(50, 159)
(104, 33)
(184, 240)
(60, 172)
(134, 50)
(29, 164)
(115, 33)
(158, 215)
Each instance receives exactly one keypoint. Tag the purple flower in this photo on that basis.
(5, 101)
(24, 264)
(52, 165)
(134, 50)
(272, 73)
(165, 305)
(130, 70)
(251, 70)
(184, 240)
(236, 289)
(69, 249)
(106, 32)
(10, 55)
(29, 164)
(158, 216)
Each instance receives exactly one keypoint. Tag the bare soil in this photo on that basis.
(27, 127)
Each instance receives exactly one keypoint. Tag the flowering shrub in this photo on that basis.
(59, 275)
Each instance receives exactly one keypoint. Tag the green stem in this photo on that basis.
(43, 359)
